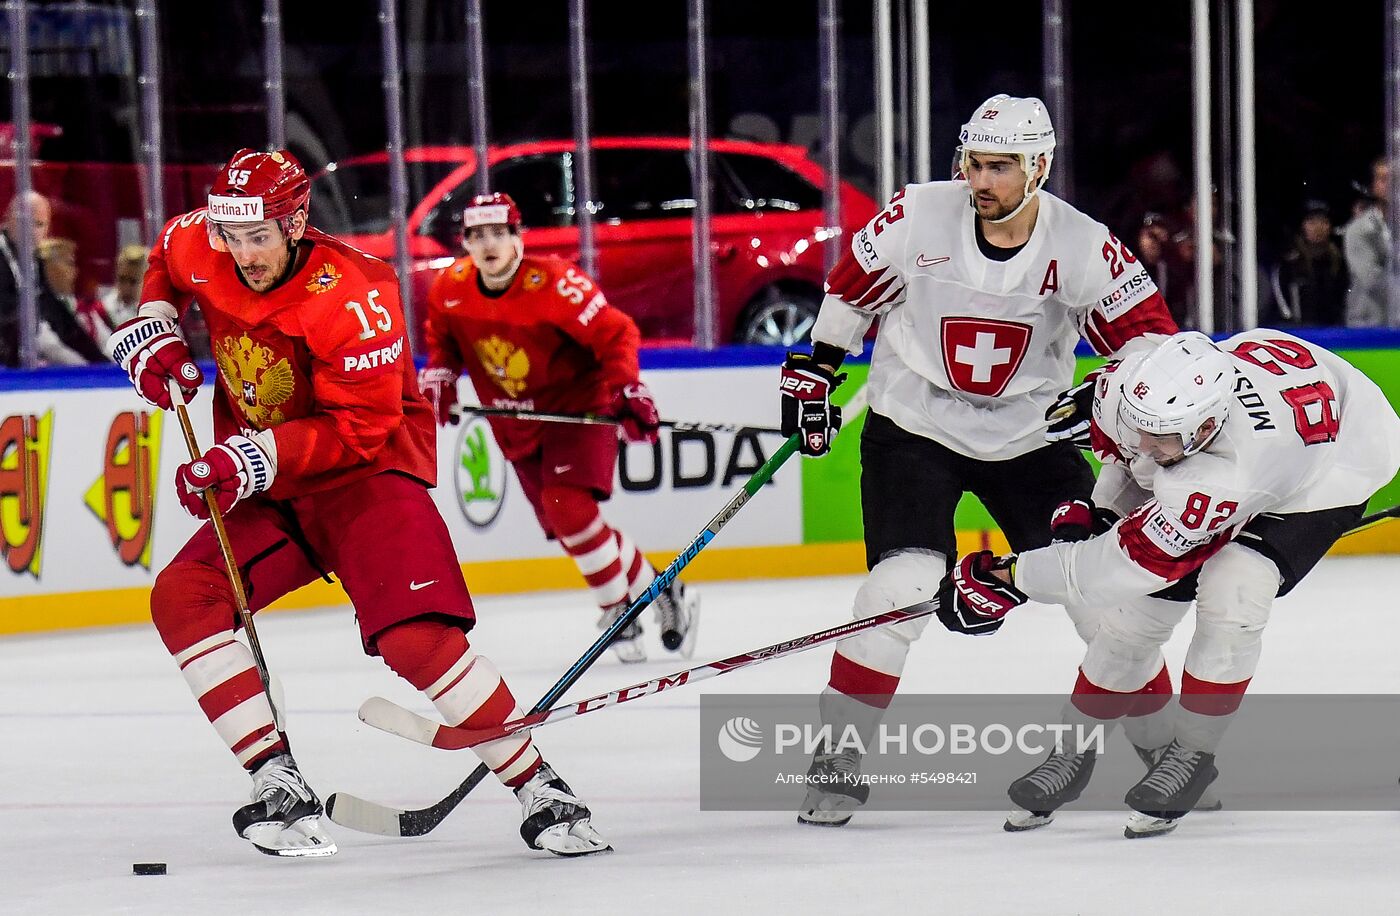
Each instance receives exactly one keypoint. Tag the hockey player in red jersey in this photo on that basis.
(1229, 471)
(537, 334)
(325, 455)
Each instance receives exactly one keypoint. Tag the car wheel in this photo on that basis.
(780, 317)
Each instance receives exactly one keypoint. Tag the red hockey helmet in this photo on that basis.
(491, 210)
(255, 186)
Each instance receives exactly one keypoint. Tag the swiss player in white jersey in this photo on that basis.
(983, 288)
(1230, 470)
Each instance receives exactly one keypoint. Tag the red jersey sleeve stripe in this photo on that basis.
(1150, 316)
(1145, 553)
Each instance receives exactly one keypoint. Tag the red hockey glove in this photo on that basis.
(151, 350)
(439, 386)
(234, 470)
(1079, 520)
(1072, 520)
(972, 600)
(636, 411)
(806, 388)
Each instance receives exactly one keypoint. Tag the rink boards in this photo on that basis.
(88, 514)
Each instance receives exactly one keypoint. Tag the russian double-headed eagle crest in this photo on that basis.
(508, 365)
(260, 383)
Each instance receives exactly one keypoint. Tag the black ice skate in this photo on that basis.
(1057, 781)
(1209, 800)
(677, 613)
(1171, 788)
(285, 816)
(834, 790)
(553, 818)
(627, 645)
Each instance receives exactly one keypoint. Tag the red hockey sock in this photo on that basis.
(465, 687)
(871, 687)
(605, 557)
(191, 609)
(1209, 698)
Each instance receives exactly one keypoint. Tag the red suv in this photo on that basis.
(766, 230)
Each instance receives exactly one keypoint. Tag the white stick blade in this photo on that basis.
(394, 719)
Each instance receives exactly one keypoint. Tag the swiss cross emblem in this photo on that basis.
(981, 355)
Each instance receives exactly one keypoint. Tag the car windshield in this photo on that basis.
(353, 198)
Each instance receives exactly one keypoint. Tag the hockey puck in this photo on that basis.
(148, 868)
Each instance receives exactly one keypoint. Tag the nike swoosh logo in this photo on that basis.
(929, 262)
(561, 468)
(415, 586)
(194, 279)
(451, 303)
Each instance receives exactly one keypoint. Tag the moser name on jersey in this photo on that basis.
(1253, 403)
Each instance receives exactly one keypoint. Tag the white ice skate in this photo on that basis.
(627, 645)
(285, 816)
(678, 614)
(553, 818)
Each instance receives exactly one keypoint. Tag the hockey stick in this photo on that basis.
(1374, 519)
(390, 717)
(235, 579)
(370, 817)
(598, 419)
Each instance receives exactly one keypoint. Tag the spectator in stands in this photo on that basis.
(58, 330)
(121, 300)
(1366, 242)
(1163, 256)
(60, 260)
(1310, 283)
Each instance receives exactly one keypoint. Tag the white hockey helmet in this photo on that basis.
(1009, 126)
(1175, 389)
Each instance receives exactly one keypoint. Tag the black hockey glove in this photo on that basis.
(1070, 414)
(972, 600)
(807, 410)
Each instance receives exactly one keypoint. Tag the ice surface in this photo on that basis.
(105, 760)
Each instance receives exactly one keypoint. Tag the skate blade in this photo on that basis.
(692, 611)
(827, 812)
(1020, 820)
(300, 840)
(629, 652)
(1142, 825)
(824, 818)
(571, 841)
